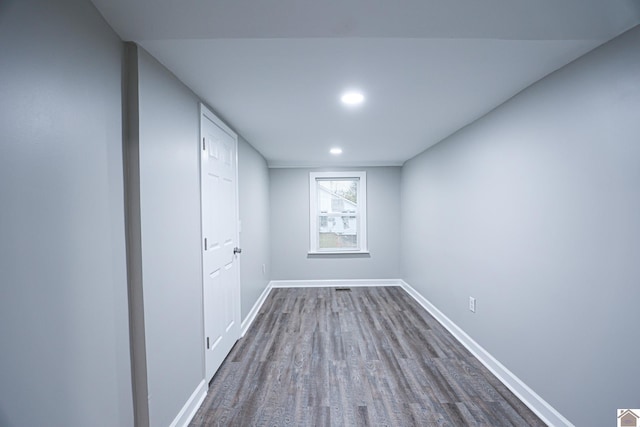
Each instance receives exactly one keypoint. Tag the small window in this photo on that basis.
(337, 208)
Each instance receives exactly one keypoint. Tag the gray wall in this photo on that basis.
(535, 211)
(63, 294)
(253, 197)
(290, 229)
(168, 122)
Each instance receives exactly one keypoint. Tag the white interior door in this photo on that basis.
(220, 264)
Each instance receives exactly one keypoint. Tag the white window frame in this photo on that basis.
(361, 214)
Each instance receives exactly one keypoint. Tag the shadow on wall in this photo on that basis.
(4, 421)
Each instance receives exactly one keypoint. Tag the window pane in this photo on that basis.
(338, 241)
(338, 196)
(338, 231)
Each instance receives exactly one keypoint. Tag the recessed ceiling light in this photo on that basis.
(352, 98)
(335, 151)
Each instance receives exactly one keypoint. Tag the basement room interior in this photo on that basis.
(242, 213)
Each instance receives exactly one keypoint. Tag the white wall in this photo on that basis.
(167, 119)
(290, 229)
(64, 359)
(535, 211)
(253, 187)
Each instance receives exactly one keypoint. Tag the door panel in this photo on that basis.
(221, 284)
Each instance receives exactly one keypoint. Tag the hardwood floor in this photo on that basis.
(364, 357)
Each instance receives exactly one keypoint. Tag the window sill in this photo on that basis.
(338, 253)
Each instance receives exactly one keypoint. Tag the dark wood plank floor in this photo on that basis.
(365, 357)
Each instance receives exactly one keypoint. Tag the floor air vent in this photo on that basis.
(343, 289)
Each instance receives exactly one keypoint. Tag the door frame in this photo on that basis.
(205, 111)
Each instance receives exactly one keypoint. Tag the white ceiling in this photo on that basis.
(274, 69)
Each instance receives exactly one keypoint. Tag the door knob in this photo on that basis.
(237, 250)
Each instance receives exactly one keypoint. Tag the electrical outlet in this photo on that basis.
(472, 304)
(264, 269)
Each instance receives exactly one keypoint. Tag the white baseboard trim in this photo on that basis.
(334, 283)
(246, 323)
(537, 404)
(190, 408)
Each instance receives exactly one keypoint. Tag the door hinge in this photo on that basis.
(207, 343)
(204, 146)
(205, 243)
